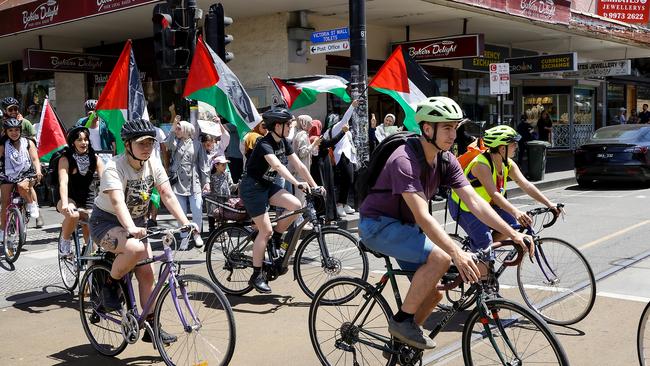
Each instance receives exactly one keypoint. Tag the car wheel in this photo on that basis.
(585, 183)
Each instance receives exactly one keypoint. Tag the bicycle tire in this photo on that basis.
(346, 259)
(15, 235)
(341, 334)
(226, 259)
(109, 340)
(520, 320)
(216, 321)
(68, 265)
(643, 339)
(573, 291)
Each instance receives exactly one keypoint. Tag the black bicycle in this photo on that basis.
(558, 283)
(348, 323)
(325, 253)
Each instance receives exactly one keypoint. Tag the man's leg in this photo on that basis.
(422, 296)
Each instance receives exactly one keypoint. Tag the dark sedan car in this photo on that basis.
(615, 154)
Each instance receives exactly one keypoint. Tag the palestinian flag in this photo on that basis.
(405, 81)
(123, 98)
(212, 82)
(301, 92)
(50, 136)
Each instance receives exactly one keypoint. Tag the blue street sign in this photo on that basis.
(330, 35)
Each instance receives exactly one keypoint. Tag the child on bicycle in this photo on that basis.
(76, 170)
(20, 167)
(258, 188)
(488, 173)
(120, 210)
(395, 218)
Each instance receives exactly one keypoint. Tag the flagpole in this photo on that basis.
(278, 89)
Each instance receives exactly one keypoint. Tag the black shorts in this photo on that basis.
(256, 195)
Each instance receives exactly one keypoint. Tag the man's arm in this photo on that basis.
(432, 229)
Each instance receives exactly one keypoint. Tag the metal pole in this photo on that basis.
(359, 75)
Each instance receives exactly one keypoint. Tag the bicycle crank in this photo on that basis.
(130, 328)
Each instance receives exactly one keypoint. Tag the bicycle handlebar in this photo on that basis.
(543, 210)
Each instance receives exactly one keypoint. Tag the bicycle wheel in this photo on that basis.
(229, 258)
(210, 336)
(559, 285)
(354, 332)
(643, 337)
(14, 235)
(510, 335)
(345, 259)
(68, 267)
(103, 328)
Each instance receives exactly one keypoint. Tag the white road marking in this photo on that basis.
(43, 254)
(623, 297)
(613, 235)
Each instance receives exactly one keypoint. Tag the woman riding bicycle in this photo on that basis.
(488, 173)
(76, 168)
(20, 167)
(258, 189)
(119, 214)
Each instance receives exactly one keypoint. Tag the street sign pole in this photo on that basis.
(359, 75)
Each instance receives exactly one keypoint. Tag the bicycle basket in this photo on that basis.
(230, 210)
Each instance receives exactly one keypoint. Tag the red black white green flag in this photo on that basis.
(405, 81)
(123, 98)
(302, 91)
(50, 136)
(212, 82)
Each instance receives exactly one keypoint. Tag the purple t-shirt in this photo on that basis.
(400, 174)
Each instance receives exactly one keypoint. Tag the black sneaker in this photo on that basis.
(260, 284)
(166, 338)
(94, 317)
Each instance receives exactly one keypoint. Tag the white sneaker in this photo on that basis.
(33, 210)
(340, 211)
(348, 209)
(198, 242)
(64, 247)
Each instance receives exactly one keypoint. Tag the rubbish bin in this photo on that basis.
(537, 159)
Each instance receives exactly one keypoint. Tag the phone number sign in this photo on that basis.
(628, 11)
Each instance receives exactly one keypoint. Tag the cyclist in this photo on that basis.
(11, 109)
(395, 219)
(118, 218)
(76, 169)
(488, 173)
(258, 188)
(20, 167)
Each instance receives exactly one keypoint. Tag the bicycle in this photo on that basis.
(71, 264)
(16, 220)
(559, 284)
(643, 337)
(326, 252)
(187, 306)
(497, 330)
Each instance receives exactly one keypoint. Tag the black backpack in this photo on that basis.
(368, 174)
(52, 177)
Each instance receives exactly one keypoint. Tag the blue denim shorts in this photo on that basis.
(256, 195)
(404, 242)
(479, 233)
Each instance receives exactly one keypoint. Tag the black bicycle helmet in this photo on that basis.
(11, 123)
(276, 115)
(90, 105)
(9, 101)
(137, 128)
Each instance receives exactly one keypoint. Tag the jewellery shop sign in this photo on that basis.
(544, 63)
(600, 70)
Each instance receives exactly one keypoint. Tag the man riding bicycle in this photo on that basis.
(488, 173)
(258, 188)
(120, 210)
(395, 219)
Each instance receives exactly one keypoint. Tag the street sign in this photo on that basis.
(330, 35)
(500, 78)
(330, 47)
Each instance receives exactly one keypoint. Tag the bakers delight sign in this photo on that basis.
(45, 13)
(549, 11)
(447, 48)
(629, 11)
(46, 60)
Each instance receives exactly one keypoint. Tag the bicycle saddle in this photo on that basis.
(366, 249)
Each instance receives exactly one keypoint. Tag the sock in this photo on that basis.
(256, 271)
(402, 316)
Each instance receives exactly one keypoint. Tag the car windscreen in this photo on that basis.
(621, 134)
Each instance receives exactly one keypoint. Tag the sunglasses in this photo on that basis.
(12, 109)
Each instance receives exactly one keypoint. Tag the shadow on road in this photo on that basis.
(274, 303)
(25, 301)
(7, 266)
(86, 355)
(566, 330)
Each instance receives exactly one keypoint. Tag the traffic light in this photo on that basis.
(215, 32)
(174, 34)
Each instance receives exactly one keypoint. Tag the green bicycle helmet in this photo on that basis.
(500, 135)
(438, 109)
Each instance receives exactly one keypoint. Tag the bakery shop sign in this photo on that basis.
(447, 48)
(62, 61)
(550, 11)
(543, 63)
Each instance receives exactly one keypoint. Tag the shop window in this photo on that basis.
(5, 73)
(557, 107)
(615, 101)
(31, 96)
(642, 97)
(475, 99)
